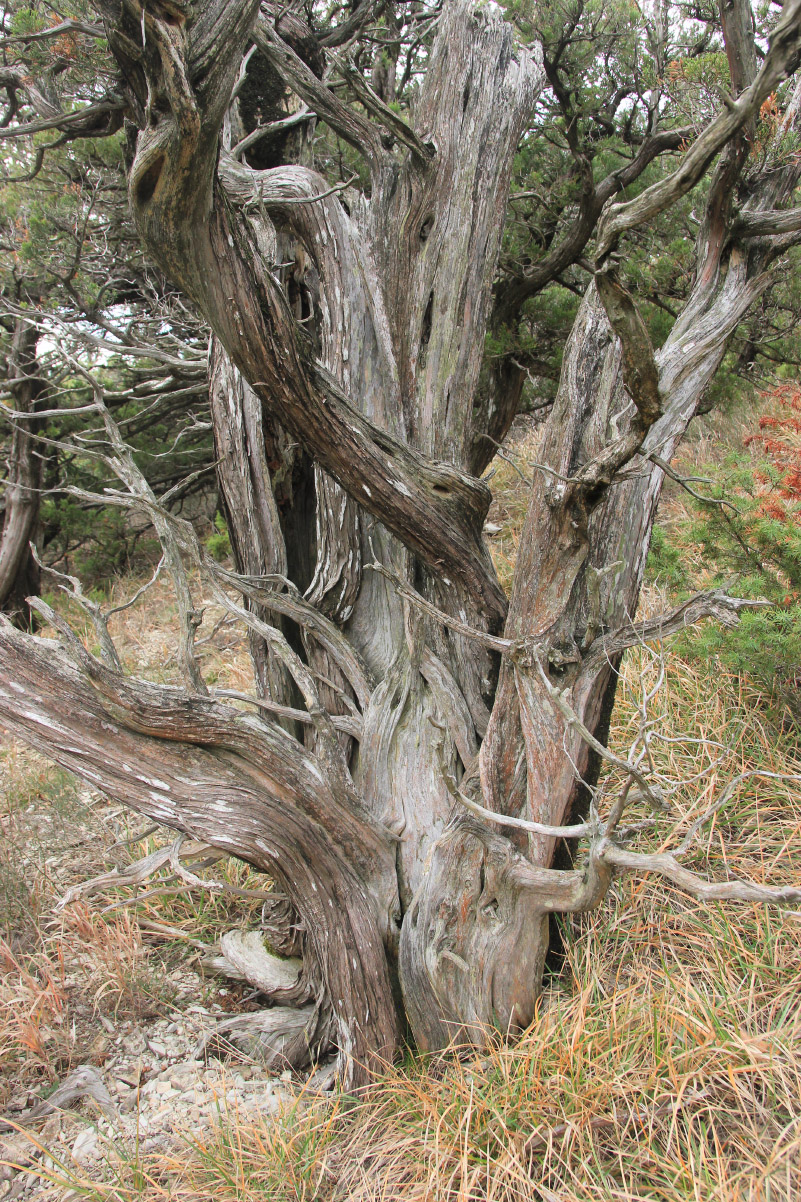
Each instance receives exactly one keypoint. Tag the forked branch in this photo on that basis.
(781, 60)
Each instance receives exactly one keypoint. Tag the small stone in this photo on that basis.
(85, 1145)
(182, 1073)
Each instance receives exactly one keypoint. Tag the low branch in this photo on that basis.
(83, 121)
(349, 726)
(714, 604)
(198, 882)
(669, 867)
(55, 31)
(134, 874)
(266, 131)
(168, 755)
(578, 830)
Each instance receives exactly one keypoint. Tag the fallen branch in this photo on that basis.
(84, 1082)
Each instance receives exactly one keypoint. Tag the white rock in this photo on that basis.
(85, 1145)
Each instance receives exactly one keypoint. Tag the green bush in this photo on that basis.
(749, 537)
(218, 544)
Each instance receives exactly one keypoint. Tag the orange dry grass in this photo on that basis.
(665, 1062)
(32, 1009)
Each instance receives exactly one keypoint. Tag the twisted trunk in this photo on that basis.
(357, 333)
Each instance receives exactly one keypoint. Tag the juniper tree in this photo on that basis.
(416, 744)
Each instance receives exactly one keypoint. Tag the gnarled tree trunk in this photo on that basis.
(411, 715)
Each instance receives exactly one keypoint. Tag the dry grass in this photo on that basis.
(146, 635)
(33, 1038)
(665, 1061)
(509, 480)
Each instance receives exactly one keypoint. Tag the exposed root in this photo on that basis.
(243, 957)
(278, 1038)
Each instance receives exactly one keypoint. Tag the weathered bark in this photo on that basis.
(374, 613)
(578, 576)
(246, 788)
(251, 513)
(19, 572)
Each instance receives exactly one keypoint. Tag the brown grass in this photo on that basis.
(665, 1060)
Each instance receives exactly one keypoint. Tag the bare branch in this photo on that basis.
(405, 590)
(349, 124)
(73, 589)
(349, 726)
(293, 606)
(725, 797)
(83, 122)
(134, 874)
(687, 482)
(397, 127)
(140, 592)
(780, 61)
(668, 866)
(578, 830)
(714, 604)
(272, 127)
(55, 31)
(652, 792)
(125, 466)
(198, 882)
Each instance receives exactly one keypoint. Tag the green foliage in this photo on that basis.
(749, 537)
(666, 564)
(218, 544)
(96, 541)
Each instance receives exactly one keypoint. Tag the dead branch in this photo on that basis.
(690, 882)
(713, 604)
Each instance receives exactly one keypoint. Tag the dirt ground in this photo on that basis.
(101, 997)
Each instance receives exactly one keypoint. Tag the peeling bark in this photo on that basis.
(411, 728)
(19, 572)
